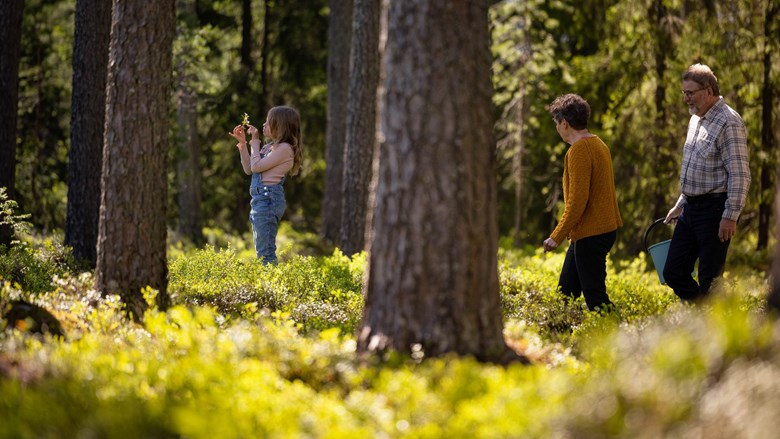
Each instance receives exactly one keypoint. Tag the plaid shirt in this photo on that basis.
(715, 158)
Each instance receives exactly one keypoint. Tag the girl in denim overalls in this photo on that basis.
(268, 166)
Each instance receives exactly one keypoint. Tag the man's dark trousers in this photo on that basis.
(696, 237)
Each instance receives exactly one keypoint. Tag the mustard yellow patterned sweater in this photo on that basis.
(588, 192)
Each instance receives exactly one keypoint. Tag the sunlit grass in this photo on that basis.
(256, 351)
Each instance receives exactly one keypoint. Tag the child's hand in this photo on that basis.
(253, 131)
(238, 134)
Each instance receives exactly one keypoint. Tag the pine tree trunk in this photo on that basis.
(188, 174)
(264, 54)
(88, 111)
(517, 165)
(188, 167)
(240, 84)
(10, 51)
(774, 292)
(361, 123)
(663, 47)
(339, 35)
(132, 233)
(246, 35)
(774, 284)
(432, 278)
(767, 168)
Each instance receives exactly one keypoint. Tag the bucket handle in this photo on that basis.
(652, 226)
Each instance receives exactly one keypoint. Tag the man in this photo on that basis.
(590, 217)
(714, 182)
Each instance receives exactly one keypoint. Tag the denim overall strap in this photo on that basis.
(257, 178)
(256, 185)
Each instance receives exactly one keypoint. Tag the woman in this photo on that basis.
(590, 218)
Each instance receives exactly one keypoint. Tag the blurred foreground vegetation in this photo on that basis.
(253, 351)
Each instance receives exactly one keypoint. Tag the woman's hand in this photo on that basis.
(252, 131)
(549, 244)
(239, 134)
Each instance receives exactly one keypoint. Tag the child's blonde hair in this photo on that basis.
(284, 123)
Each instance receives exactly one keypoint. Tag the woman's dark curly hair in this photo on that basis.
(572, 108)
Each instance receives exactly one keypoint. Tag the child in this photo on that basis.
(268, 166)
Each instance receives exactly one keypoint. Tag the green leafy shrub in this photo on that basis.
(650, 381)
(181, 374)
(186, 372)
(268, 351)
(30, 264)
(530, 294)
(217, 278)
(319, 292)
(19, 265)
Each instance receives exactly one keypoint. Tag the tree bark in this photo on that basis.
(432, 278)
(774, 292)
(10, 51)
(662, 48)
(339, 36)
(240, 83)
(88, 111)
(246, 35)
(132, 231)
(768, 166)
(774, 282)
(188, 175)
(264, 54)
(361, 123)
(517, 163)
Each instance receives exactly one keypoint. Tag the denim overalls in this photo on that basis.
(267, 209)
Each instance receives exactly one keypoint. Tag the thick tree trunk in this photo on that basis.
(188, 174)
(432, 278)
(264, 54)
(361, 123)
(88, 111)
(774, 285)
(10, 51)
(768, 166)
(246, 35)
(132, 232)
(773, 9)
(517, 164)
(659, 16)
(240, 84)
(339, 35)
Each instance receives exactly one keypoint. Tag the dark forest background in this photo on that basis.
(624, 57)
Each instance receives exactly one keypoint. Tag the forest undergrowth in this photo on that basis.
(254, 351)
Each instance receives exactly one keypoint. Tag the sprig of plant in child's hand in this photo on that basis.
(245, 121)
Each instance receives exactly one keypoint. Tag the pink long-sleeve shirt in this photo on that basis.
(278, 160)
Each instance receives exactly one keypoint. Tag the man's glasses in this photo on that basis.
(689, 93)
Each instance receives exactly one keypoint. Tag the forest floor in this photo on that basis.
(254, 351)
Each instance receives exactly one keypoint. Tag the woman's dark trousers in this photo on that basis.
(585, 269)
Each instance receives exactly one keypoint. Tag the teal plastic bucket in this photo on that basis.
(658, 253)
